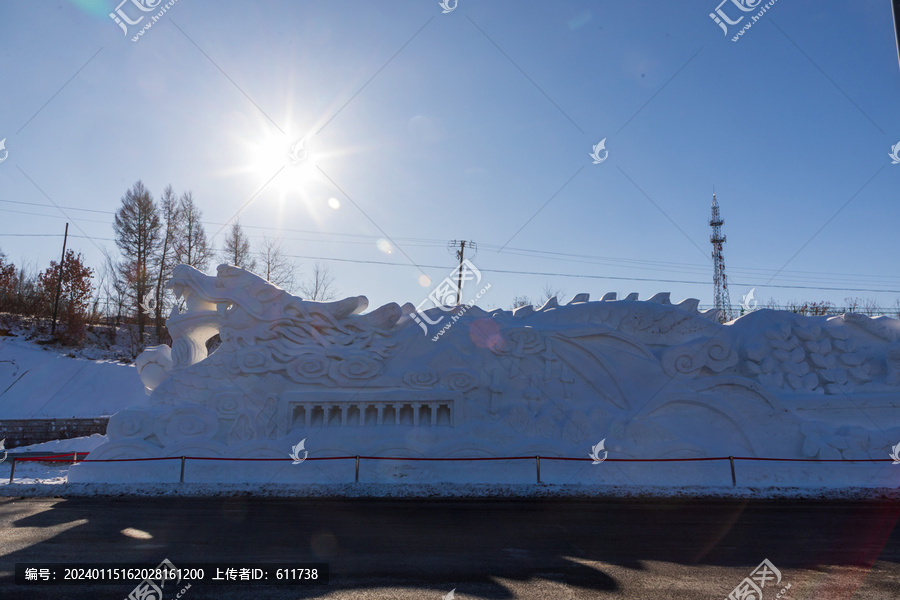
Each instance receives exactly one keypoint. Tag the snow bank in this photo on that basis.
(38, 383)
(81, 445)
(49, 487)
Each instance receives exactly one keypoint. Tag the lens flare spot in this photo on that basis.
(136, 534)
(485, 333)
(424, 280)
(324, 544)
(384, 246)
(334, 203)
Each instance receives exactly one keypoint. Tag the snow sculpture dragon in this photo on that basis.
(549, 381)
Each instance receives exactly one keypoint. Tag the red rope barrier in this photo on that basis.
(68, 458)
(264, 459)
(815, 459)
(48, 458)
(454, 458)
(636, 459)
(100, 459)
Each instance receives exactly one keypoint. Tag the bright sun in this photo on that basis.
(284, 163)
(291, 162)
(286, 170)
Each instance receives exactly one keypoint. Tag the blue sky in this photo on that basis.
(476, 124)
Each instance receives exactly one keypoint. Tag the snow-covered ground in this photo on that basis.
(81, 445)
(44, 482)
(42, 382)
(457, 479)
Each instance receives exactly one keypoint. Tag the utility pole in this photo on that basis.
(62, 262)
(460, 254)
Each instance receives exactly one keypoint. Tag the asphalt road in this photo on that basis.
(421, 549)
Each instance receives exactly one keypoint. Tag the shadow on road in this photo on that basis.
(436, 545)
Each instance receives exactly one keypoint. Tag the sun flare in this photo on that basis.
(285, 165)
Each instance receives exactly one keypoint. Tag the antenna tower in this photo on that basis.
(720, 281)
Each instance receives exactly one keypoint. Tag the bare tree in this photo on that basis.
(191, 245)
(165, 259)
(814, 309)
(870, 307)
(114, 287)
(519, 301)
(274, 265)
(320, 286)
(548, 292)
(551, 292)
(137, 235)
(236, 250)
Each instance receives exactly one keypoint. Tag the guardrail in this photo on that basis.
(73, 458)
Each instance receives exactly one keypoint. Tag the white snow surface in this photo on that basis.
(44, 383)
(47, 483)
(81, 445)
(45, 479)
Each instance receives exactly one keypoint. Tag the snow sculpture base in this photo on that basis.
(655, 380)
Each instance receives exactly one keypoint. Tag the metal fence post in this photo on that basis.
(13, 470)
(537, 461)
(181, 480)
(357, 469)
(733, 480)
(75, 460)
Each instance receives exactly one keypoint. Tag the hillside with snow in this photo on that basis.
(40, 382)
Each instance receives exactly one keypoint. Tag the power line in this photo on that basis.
(429, 241)
(619, 262)
(71, 235)
(514, 272)
(107, 212)
(22, 212)
(53, 202)
(587, 276)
